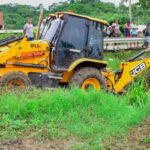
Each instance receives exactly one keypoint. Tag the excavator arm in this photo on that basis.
(128, 71)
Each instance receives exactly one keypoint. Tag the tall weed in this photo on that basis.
(138, 93)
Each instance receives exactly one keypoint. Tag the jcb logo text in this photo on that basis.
(137, 69)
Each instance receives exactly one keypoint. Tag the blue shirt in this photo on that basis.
(134, 31)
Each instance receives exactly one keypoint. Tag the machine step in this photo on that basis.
(45, 79)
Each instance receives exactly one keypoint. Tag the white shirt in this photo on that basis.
(116, 28)
(29, 30)
(108, 30)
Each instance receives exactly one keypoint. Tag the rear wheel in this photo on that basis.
(15, 79)
(88, 77)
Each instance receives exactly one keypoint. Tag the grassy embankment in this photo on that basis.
(90, 120)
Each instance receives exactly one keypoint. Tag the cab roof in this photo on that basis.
(82, 16)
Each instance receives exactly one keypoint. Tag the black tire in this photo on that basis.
(15, 76)
(87, 72)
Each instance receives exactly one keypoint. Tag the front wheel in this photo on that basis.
(15, 79)
(88, 77)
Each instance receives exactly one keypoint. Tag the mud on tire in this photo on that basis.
(87, 72)
(15, 76)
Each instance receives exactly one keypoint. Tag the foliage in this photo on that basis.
(136, 91)
(140, 10)
(94, 116)
(115, 58)
(15, 16)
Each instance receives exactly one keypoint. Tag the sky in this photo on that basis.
(46, 3)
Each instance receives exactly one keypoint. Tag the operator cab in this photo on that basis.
(73, 37)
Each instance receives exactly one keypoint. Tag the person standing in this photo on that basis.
(116, 32)
(127, 31)
(116, 27)
(146, 32)
(109, 33)
(28, 30)
(134, 30)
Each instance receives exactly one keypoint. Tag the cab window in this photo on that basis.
(73, 36)
(95, 40)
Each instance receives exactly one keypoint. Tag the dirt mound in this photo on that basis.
(140, 137)
(32, 144)
(137, 139)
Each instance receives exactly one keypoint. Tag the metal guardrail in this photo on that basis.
(124, 40)
(137, 43)
(10, 31)
(107, 41)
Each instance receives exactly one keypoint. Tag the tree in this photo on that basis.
(53, 6)
(39, 7)
(144, 3)
(72, 1)
(15, 16)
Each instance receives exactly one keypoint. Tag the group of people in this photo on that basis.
(130, 30)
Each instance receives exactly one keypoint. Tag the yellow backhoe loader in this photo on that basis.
(70, 51)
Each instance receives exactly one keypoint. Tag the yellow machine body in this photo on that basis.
(34, 52)
(38, 56)
(26, 53)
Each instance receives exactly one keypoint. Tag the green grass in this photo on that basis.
(5, 35)
(115, 58)
(92, 118)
